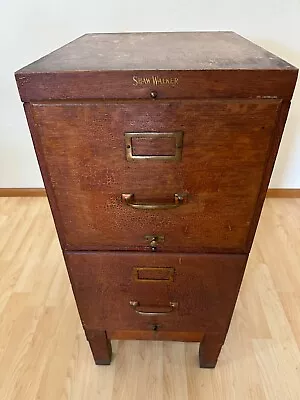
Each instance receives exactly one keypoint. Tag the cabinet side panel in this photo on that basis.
(273, 150)
(44, 171)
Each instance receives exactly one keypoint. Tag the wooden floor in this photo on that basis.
(44, 354)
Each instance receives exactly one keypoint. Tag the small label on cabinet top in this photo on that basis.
(154, 80)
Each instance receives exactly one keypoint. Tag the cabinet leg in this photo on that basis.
(209, 350)
(100, 346)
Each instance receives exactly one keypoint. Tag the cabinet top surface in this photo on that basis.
(158, 51)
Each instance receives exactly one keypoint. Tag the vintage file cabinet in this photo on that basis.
(156, 150)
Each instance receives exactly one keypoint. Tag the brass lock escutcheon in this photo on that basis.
(154, 240)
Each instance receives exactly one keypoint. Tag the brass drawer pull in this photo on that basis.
(128, 199)
(159, 310)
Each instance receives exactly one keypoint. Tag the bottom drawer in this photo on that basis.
(155, 291)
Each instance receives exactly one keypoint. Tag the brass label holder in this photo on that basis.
(153, 274)
(178, 136)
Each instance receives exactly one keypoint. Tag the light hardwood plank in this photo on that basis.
(44, 353)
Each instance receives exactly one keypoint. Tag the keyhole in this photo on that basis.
(155, 327)
(153, 94)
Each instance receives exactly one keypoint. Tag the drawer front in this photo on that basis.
(169, 292)
(188, 171)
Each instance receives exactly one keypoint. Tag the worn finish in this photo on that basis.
(93, 85)
(203, 285)
(225, 148)
(104, 285)
(100, 347)
(138, 51)
(185, 65)
(156, 245)
(45, 355)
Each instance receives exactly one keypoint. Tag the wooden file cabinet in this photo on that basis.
(156, 150)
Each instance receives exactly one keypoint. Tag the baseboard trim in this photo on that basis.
(22, 192)
(40, 192)
(283, 193)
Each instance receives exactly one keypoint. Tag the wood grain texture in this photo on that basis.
(140, 50)
(220, 64)
(44, 353)
(210, 348)
(100, 347)
(45, 175)
(193, 85)
(205, 288)
(269, 165)
(232, 128)
(41, 192)
(225, 149)
(159, 335)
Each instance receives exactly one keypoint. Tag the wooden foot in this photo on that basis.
(100, 346)
(209, 350)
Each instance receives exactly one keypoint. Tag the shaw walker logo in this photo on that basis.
(154, 80)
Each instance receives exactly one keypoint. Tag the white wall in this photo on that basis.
(31, 28)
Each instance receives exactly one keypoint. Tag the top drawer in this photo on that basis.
(85, 150)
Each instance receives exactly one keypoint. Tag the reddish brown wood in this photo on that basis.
(210, 348)
(45, 175)
(156, 335)
(269, 165)
(220, 64)
(193, 85)
(100, 346)
(225, 148)
(231, 99)
(203, 286)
